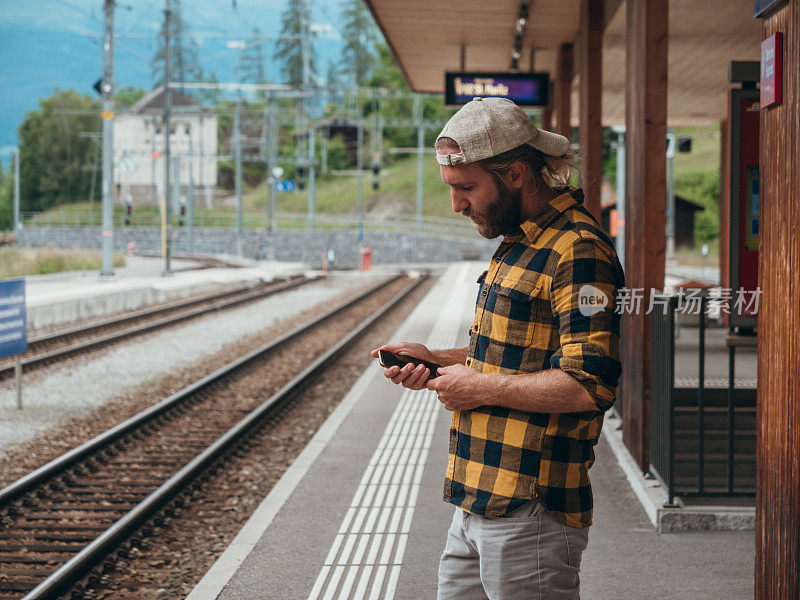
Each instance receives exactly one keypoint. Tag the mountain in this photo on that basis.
(55, 44)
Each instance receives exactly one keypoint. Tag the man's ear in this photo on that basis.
(517, 175)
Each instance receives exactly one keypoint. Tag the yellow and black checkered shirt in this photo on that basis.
(540, 307)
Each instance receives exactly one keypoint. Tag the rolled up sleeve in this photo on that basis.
(583, 292)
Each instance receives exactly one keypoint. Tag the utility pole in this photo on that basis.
(17, 221)
(420, 158)
(671, 149)
(176, 183)
(360, 167)
(165, 212)
(203, 179)
(107, 270)
(307, 120)
(323, 153)
(190, 199)
(271, 152)
(312, 171)
(237, 154)
(153, 188)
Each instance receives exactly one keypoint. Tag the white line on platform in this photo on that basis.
(397, 463)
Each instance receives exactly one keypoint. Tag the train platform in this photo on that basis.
(359, 514)
(60, 298)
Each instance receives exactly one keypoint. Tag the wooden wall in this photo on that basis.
(777, 564)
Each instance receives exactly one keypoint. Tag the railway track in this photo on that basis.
(59, 345)
(65, 518)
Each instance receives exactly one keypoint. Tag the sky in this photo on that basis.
(57, 44)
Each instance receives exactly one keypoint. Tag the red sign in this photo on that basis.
(771, 69)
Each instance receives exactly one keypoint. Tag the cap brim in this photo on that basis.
(550, 143)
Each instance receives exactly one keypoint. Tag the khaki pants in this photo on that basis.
(525, 554)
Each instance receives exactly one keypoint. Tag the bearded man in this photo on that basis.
(529, 392)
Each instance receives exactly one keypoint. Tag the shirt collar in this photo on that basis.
(533, 227)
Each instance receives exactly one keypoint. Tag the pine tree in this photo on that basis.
(295, 21)
(253, 69)
(360, 36)
(184, 51)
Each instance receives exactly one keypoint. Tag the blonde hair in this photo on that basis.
(544, 170)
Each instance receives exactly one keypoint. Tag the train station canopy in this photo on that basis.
(426, 37)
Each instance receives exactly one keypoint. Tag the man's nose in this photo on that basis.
(459, 202)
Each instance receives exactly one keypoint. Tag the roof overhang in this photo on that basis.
(427, 37)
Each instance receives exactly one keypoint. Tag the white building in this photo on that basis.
(139, 167)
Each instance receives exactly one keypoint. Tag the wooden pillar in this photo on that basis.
(777, 561)
(547, 118)
(547, 111)
(563, 91)
(645, 206)
(591, 102)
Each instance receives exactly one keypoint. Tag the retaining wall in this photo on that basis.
(293, 246)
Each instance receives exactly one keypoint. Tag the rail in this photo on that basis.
(76, 567)
(193, 308)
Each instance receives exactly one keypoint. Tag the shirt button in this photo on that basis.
(497, 259)
(483, 292)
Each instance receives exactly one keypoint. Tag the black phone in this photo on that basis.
(392, 359)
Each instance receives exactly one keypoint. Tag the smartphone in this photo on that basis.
(391, 359)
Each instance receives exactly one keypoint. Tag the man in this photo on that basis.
(528, 393)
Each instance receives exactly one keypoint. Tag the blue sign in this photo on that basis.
(524, 89)
(13, 320)
(284, 186)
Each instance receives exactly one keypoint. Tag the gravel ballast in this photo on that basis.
(73, 388)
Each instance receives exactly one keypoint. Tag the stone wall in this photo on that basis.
(302, 246)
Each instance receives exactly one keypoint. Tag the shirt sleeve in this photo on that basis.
(582, 298)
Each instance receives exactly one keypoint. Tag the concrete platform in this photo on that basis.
(61, 298)
(360, 514)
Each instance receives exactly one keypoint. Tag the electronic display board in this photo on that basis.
(524, 89)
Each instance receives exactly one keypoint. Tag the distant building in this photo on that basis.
(685, 210)
(139, 146)
(328, 128)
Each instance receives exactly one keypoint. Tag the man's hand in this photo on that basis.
(459, 388)
(409, 376)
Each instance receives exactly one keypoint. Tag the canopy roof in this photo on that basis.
(426, 37)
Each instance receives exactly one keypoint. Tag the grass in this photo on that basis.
(705, 154)
(334, 195)
(339, 194)
(18, 263)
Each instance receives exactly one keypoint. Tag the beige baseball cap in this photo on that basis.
(486, 127)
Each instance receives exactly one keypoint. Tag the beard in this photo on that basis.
(501, 215)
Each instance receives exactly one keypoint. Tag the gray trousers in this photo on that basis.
(525, 554)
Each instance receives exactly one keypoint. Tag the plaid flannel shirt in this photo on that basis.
(528, 319)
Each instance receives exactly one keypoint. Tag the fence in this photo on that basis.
(703, 433)
(394, 223)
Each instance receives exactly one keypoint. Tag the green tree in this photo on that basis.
(253, 63)
(6, 198)
(387, 73)
(296, 22)
(54, 157)
(128, 96)
(184, 51)
(360, 36)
